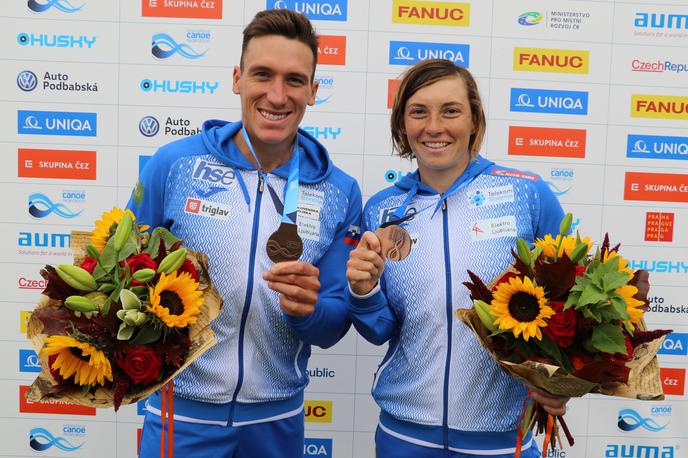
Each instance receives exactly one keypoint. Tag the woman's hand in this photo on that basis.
(365, 265)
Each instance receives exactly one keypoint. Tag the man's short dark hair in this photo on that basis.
(282, 22)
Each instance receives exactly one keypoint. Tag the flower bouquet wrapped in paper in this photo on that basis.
(569, 321)
(131, 312)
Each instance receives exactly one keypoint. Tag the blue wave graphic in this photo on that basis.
(630, 420)
(41, 206)
(556, 190)
(163, 40)
(41, 439)
(62, 5)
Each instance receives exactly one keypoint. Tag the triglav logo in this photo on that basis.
(164, 46)
(319, 10)
(412, 52)
(551, 60)
(45, 40)
(179, 86)
(659, 106)
(149, 126)
(27, 81)
(657, 147)
(431, 13)
(549, 101)
(530, 18)
(40, 6)
(41, 206)
(630, 420)
(40, 439)
(65, 123)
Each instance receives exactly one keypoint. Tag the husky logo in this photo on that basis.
(387, 214)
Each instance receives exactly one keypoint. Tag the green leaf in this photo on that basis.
(591, 295)
(140, 291)
(125, 332)
(106, 306)
(589, 312)
(138, 192)
(551, 350)
(127, 250)
(609, 338)
(614, 280)
(619, 305)
(147, 334)
(158, 234)
(108, 258)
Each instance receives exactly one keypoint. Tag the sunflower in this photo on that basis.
(568, 243)
(175, 300)
(86, 363)
(521, 306)
(608, 256)
(107, 226)
(633, 305)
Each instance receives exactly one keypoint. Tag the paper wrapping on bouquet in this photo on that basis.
(644, 381)
(201, 336)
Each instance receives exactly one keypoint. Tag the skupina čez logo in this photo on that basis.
(41, 6)
(27, 81)
(530, 18)
(149, 126)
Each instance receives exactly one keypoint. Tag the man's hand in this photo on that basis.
(365, 265)
(297, 284)
(555, 405)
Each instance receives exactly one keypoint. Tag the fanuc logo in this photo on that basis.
(659, 106)
(551, 60)
(431, 13)
(318, 411)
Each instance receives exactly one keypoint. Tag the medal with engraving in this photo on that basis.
(395, 242)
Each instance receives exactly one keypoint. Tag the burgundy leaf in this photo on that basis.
(477, 288)
(119, 389)
(641, 337)
(56, 288)
(641, 280)
(522, 269)
(557, 278)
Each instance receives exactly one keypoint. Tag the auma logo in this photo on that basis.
(431, 13)
(549, 101)
(44, 239)
(657, 147)
(179, 86)
(551, 60)
(639, 451)
(630, 420)
(38, 6)
(321, 448)
(530, 18)
(319, 10)
(661, 21)
(149, 126)
(675, 344)
(659, 106)
(66, 123)
(164, 47)
(412, 52)
(28, 361)
(27, 81)
(40, 439)
(41, 206)
(45, 40)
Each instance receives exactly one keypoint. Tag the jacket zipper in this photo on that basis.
(448, 289)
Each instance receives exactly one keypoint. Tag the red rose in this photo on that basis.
(140, 363)
(138, 262)
(580, 271)
(89, 264)
(188, 267)
(561, 327)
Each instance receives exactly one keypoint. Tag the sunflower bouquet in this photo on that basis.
(130, 313)
(569, 321)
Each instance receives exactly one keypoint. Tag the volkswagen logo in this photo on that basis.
(27, 81)
(149, 126)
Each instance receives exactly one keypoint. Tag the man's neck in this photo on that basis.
(270, 156)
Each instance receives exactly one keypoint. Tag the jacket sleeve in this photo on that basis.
(147, 200)
(330, 321)
(550, 213)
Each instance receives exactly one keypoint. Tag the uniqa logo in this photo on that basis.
(530, 18)
(164, 47)
(65, 6)
(657, 147)
(549, 101)
(149, 126)
(40, 439)
(27, 81)
(333, 10)
(56, 123)
(412, 52)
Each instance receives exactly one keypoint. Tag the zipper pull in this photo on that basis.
(261, 182)
(444, 205)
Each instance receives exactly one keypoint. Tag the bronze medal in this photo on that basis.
(284, 244)
(394, 241)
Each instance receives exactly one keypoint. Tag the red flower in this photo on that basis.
(561, 327)
(504, 279)
(619, 358)
(138, 262)
(580, 271)
(140, 363)
(188, 267)
(89, 264)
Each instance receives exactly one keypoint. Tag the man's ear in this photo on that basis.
(236, 76)
(314, 91)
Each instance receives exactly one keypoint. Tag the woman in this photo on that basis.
(440, 393)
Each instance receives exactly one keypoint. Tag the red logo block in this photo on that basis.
(659, 227)
(673, 380)
(192, 205)
(52, 406)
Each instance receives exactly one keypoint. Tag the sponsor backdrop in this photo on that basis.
(591, 95)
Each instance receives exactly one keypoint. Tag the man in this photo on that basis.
(223, 192)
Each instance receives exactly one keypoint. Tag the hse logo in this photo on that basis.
(323, 133)
(41, 6)
(44, 40)
(388, 214)
(431, 13)
(66, 123)
(549, 101)
(551, 60)
(61, 164)
(657, 66)
(321, 448)
(630, 420)
(178, 86)
(41, 206)
(318, 411)
(657, 147)
(546, 141)
(40, 440)
(530, 18)
(659, 227)
(332, 50)
(675, 344)
(28, 361)
(392, 89)
(191, 9)
(656, 187)
(213, 173)
(661, 21)
(206, 208)
(51, 406)
(673, 380)
(164, 46)
(412, 52)
(659, 106)
(318, 10)
(149, 126)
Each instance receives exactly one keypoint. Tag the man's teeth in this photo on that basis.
(436, 144)
(272, 116)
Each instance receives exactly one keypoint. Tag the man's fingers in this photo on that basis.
(295, 308)
(369, 241)
(295, 293)
(294, 267)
